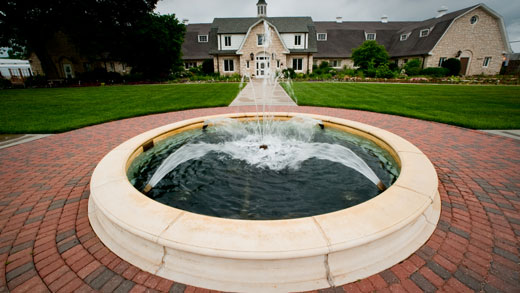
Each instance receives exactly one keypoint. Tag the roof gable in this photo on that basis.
(242, 25)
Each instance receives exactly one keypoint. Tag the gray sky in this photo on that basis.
(203, 11)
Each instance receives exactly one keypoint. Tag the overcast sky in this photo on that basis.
(203, 11)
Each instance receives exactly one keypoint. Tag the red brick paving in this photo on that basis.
(47, 244)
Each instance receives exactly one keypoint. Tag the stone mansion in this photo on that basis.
(476, 35)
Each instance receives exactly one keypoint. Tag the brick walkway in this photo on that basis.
(47, 244)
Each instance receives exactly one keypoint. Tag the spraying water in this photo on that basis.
(289, 144)
(266, 143)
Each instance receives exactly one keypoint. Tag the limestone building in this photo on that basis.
(476, 35)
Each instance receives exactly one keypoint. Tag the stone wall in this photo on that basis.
(218, 64)
(276, 50)
(477, 41)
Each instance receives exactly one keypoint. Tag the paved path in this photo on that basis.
(12, 140)
(511, 133)
(47, 244)
(271, 95)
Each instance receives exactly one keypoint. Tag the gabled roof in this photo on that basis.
(282, 25)
(191, 48)
(415, 45)
(242, 25)
(342, 38)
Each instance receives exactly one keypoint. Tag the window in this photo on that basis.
(112, 67)
(474, 19)
(322, 36)
(441, 60)
(203, 38)
(404, 37)
(297, 64)
(189, 65)
(277, 63)
(371, 36)
(229, 65)
(247, 64)
(298, 40)
(424, 33)
(227, 41)
(487, 60)
(87, 66)
(335, 63)
(260, 40)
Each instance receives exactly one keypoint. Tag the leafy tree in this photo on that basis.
(370, 55)
(413, 67)
(453, 65)
(156, 45)
(93, 26)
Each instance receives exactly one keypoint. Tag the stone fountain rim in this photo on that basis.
(401, 218)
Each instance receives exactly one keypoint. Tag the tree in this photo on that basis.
(92, 26)
(413, 67)
(155, 45)
(370, 55)
(453, 65)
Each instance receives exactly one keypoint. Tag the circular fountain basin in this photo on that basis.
(269, 255)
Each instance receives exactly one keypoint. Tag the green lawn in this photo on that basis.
(61, 109)
(477, 107)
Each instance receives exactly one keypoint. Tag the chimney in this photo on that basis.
(384, 19)
(442, 11)
(185, 21)
(339, 19)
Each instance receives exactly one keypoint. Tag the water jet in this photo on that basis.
(296, 254)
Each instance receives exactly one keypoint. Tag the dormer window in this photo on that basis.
(370, 36)
(404, 37)
(227, 41)
(322, 36)
(203, 38)
(424, 33)
(298, 40)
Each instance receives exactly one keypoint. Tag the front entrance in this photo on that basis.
(67, 69)
(464, 61)
(263, 63)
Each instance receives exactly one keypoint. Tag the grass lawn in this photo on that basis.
(477, 107)
(61, 109)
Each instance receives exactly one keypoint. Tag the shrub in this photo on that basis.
(100, 75)
(289, 73)
(435, 71)
(383, 71)
(36, 81)
(207, 67)
(5, 83)
(413, 67)
(453, 65)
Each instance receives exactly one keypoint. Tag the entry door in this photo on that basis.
(262, 66)
(67, 69)
(464, 61)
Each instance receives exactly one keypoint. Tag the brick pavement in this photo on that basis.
(47, 244)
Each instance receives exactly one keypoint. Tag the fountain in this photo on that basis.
(251, 249)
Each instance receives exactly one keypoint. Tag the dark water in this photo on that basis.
(218, 185)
